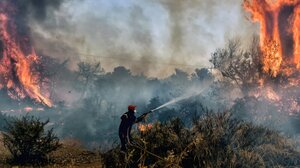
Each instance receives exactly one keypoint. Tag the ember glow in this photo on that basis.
(144, 127)
(25, 109)
(279, 33)
(17, 60)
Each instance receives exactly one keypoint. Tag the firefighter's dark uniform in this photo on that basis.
(128, 119)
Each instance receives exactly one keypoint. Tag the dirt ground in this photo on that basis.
(70, 155)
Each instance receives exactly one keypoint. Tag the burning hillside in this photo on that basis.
(18, 60)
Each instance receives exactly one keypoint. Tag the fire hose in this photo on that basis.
(140, 118)
(141, 148)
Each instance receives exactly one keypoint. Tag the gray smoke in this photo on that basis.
(23, 11)
(149, 37)
(38, 9)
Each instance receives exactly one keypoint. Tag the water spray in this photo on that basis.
(175, 100)
(178, 99)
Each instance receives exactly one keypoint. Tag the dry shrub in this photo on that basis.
(215, 140)
(28, 141)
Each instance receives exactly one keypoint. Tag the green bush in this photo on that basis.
(28, 141)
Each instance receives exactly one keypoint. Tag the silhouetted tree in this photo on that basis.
(239, 65)
(88, 73)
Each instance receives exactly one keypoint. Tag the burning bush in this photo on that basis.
(215, 140)
(28, 142)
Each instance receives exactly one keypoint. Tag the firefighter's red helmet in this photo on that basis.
(131, 107)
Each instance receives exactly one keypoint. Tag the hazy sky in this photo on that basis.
(148, 36)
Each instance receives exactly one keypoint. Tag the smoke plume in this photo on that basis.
(149, 37)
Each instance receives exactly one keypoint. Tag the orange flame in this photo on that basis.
(271, 95)
(144, 127)
(28, 109)
(279, 32)
(296, 28)
(16, 72)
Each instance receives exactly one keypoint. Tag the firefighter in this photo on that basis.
(127, 120)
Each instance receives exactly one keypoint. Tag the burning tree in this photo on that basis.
(279, 45)
(17, 60)
(269, 69)
(279, 33)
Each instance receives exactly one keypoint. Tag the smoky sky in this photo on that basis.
(150, 37)
(36, 8)
(22, 11)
